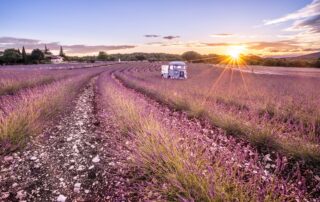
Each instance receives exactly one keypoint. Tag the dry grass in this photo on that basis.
(27, 113)
(11, 86)
(183, 165)
(262, 137)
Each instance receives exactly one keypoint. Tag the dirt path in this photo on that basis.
(72, 161)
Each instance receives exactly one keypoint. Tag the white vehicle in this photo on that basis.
(175, 70)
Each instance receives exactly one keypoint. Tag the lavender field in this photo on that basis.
(120, 132)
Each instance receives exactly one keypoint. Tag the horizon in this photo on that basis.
(264, 28)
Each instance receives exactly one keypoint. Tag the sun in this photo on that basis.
(235, 51)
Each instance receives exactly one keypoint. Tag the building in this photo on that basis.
(55, 59)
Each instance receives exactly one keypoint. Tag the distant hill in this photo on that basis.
(308, 56)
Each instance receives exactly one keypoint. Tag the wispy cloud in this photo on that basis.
(221, 35)
(311, 24)
(282, 46)
(152, 36)
(170, 37)
(29, 44)
(12, 40)
(267, 46)
(310, 10)
(304, 28)
(221, 44)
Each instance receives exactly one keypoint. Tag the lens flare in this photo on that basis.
(235, 51)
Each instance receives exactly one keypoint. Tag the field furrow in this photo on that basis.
(122, 133)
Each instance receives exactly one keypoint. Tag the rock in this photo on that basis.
(14, 185)
(96, 159)
(37, 166)
(5, 195)
(86, 191)
(268, 166)
(77, 187)
(267, 158)
(21, 194)
(8, 158)
(81, 168)
(61, 198)
(33, 158)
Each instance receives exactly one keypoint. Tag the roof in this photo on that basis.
(180, 63)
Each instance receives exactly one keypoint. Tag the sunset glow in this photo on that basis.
(266, 28)
(235, 51)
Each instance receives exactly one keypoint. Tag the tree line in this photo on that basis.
(103, 56)
(192, 56)
(37, 56)
(15, 56)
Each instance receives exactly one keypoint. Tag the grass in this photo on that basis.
(11, 87)
(28, 112)
(185, 166)
(263, 138)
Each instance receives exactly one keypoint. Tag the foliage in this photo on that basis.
(189, 166)
(24, 56)
(11, 56)
(267, 123)
(37, 56)
(103, 56)
(26, 113)
(61, 53)
(318, 63)
(192, 56)
(47, 51)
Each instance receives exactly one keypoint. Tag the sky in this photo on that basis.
(85, 27)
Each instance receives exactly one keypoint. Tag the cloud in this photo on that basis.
(268, 46)
(171, 37)
(310, 10)
(29, 44)
(91, 49)
(151, 36)
(311, 24)
(12, 40)
(155, 43)
(311, 49)
(277, 45)
(222, 35)
(304, 28)
(220, 44)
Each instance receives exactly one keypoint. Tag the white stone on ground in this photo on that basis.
(61, 198)
(96, 159)
(77, 187)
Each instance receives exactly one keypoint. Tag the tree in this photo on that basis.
(24, 56)
(140, 57)
(46, 50)
(61, 52)
(191, 56)
(11, 56)
(318, 63)
(102, 56)
(37, 56)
